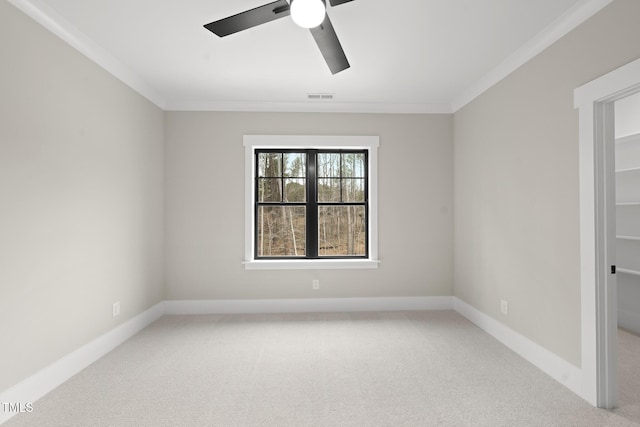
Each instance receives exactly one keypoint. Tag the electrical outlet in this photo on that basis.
(504, 307)
(316, 284)
(116, 309)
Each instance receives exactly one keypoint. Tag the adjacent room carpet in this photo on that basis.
(629, 375)
(411, 369)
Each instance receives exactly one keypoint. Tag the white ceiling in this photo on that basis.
(406, 56)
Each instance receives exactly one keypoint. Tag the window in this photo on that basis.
(311, 202)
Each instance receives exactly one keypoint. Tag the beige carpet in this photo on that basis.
(322, 370)
(629, 375)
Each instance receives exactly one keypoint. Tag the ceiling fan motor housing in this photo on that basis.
(308, 13)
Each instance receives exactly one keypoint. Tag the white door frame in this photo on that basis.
(597, 230)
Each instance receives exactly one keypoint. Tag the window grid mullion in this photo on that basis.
(340, 182)
(312, 204)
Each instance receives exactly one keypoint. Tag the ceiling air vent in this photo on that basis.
(320, 96)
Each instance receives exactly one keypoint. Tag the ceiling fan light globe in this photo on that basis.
(308, 13)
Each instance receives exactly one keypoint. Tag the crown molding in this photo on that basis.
(52, 21)
(311, 107)
(554, 32)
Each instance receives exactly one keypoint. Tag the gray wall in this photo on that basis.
(205, 207)
(628, 116)
(516, 183)
(81, 198)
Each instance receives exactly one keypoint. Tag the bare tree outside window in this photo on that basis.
(335, 182)
(280, 191)
(341, 179)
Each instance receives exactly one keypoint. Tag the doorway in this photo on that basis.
(596, 104)
(627, 178)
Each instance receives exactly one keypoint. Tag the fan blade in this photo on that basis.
(338, 2)
(250, 18)
(329, 45)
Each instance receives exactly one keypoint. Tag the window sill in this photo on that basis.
(329, 264)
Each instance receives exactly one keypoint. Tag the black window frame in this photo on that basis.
(311, 201)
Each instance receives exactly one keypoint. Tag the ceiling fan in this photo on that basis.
(306, 13)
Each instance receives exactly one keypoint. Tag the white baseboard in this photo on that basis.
(308, 305)
(557, 368)
(42, 382)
